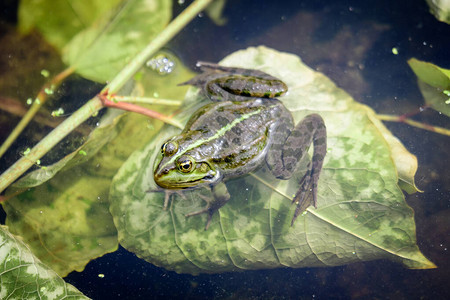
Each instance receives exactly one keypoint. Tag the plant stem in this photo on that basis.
(41, 98)
(140, 110)
(95, 104)
(402, 119)
(146, 100)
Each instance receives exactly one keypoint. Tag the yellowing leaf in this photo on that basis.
(405, 162)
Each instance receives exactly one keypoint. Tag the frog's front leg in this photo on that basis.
(220, 197)
(288, 148)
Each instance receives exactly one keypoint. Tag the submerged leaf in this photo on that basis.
(103, 134)
(215, 11)
(23, 276)
(434, 83)
(102, 50)
(65, 219)
(361, 214)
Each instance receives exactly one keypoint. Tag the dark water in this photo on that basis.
(351, 42)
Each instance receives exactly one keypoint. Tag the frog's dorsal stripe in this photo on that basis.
(218, 134)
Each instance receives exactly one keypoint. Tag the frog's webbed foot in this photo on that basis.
(306, 194)
(220, 197)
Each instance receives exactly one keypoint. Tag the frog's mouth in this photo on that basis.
(177, 180)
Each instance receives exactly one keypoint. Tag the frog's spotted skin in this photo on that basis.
(243, 127)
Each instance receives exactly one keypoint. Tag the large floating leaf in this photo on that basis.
(361, 214)
(23, 276)
(434, 83)
(59, 21)
(102, 50)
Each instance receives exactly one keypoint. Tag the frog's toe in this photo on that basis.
(195, 213)
(208, 222)
(305, 196)
(304, 201)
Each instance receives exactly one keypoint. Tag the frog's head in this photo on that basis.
(178, 170)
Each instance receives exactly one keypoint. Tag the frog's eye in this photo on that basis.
(185, 165)
(169, 148)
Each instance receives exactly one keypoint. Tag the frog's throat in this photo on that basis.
(218, 134)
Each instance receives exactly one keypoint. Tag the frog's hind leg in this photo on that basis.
(210, 72)
(288, 149)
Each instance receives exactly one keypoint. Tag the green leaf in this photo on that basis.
(102, 50)
(24, 276)
(431, 74)
(434, 83)
(362, 214)
(59, 21)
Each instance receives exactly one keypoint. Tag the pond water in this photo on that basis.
(351, 42)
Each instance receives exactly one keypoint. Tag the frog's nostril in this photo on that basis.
(165, 171)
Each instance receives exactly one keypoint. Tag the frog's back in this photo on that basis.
(232, 135)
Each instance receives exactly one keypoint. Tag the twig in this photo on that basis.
(146, 100)
(138, 109)
(403, 119)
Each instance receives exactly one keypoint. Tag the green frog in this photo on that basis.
(241, 129)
